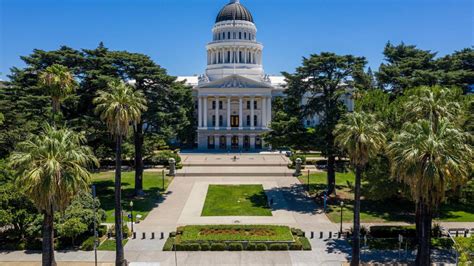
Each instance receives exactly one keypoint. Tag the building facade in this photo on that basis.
(234, 96)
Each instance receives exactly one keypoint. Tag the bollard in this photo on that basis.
(330, 234)
(457, 233)
(152, 235)
(162, 235)
(465, 233)
(298, 162)
(134, 235)
(339, 235)
(321, 235)
(312, 234)
(143, 235)
(172, 165)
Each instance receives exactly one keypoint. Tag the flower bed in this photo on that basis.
(236, 238)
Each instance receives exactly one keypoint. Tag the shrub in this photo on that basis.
(252, 246)
(205, 247)
(392, 231)
(217, 247)
(297, 232)
(305, 242)
(172, 234)
(261, 247)
(235, 247)
(34, 244)
(162, 157)
(168, 244)
(296, 156)
(102, 230)
(278, 246)
(125, 231)
(88, 244)
(193, 247)
(296, 246)
(180, 247)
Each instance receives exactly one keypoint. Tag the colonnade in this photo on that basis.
(237, 55)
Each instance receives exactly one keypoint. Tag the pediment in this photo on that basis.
(235, 81)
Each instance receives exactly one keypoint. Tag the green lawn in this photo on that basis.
(236, 200)
(378, 210)
(152, 186)
(109, 245)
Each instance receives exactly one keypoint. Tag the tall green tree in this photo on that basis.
(361, 136)
(58, 83)
(322, 80)
(406, 66)
(119, 107)
(430, 158)
(51, 169)
(457, 69)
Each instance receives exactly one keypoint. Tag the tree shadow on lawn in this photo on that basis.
(295, 199)
(259, 200)
(151, 199)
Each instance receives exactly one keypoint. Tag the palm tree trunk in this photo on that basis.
(331, 167)
(119, 254)
(48, 238)
(356, 237)
(424, 239)
(138, 139)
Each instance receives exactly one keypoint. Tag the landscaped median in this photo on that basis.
(236, 238)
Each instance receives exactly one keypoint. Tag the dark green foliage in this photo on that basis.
(261, 247)
(205, 247)
(296, 246)
(392, 231)
(278, 246)
(101, 230)
(162, 158)
(295, 156)
(235, 246)
(218, 247)
(88, 244)
(297, 232)
(251, 246)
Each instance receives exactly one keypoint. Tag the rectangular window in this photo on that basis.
(234, 35)
(248, 120)
(254, 120)
(245, 35)
(213, 105)
(228, 35)
(240, 35)
(248, 105)
(254, 104)
(220, 105)
(213, 120)
(221, 120)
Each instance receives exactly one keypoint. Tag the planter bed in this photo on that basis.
(236, 238)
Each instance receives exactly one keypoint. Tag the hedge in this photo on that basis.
(218, 247)
(277, 246)
(194, 233)
(235, 247)
(88, 244)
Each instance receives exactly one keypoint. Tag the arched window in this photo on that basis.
(223, 36)
(228, 35)
(228, 57)
(240, 57)
(240, 35)
(245, 35)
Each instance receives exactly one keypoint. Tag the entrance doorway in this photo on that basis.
(210, 142)
(235, 142)
(234, 121)
(258, 143)
(222, 143)
(246, 143)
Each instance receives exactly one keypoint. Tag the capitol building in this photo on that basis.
(234, 95)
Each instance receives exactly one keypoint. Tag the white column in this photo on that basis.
(216, 142)
(264, 111)
(205, 111)
(228, 112)
(252, 112)
(269, 110)
(217, 112)
(199, 111)
(240, 112)
(252, 142)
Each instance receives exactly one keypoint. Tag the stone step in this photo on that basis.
(254, 171)
(233, 164)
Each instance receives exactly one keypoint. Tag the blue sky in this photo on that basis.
(174, 33)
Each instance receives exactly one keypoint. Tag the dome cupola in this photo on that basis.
(234, 11)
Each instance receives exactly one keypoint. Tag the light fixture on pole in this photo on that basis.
(342, 205)
(131, 214)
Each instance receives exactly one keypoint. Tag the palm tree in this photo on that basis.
(361, 136)
(430, 158)
(119, 107)
(52, 168)
(58, 83)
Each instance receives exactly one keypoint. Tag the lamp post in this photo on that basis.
(95, 226)
(342, 205)
(131, 207)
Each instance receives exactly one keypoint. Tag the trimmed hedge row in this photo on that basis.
(301, 243)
